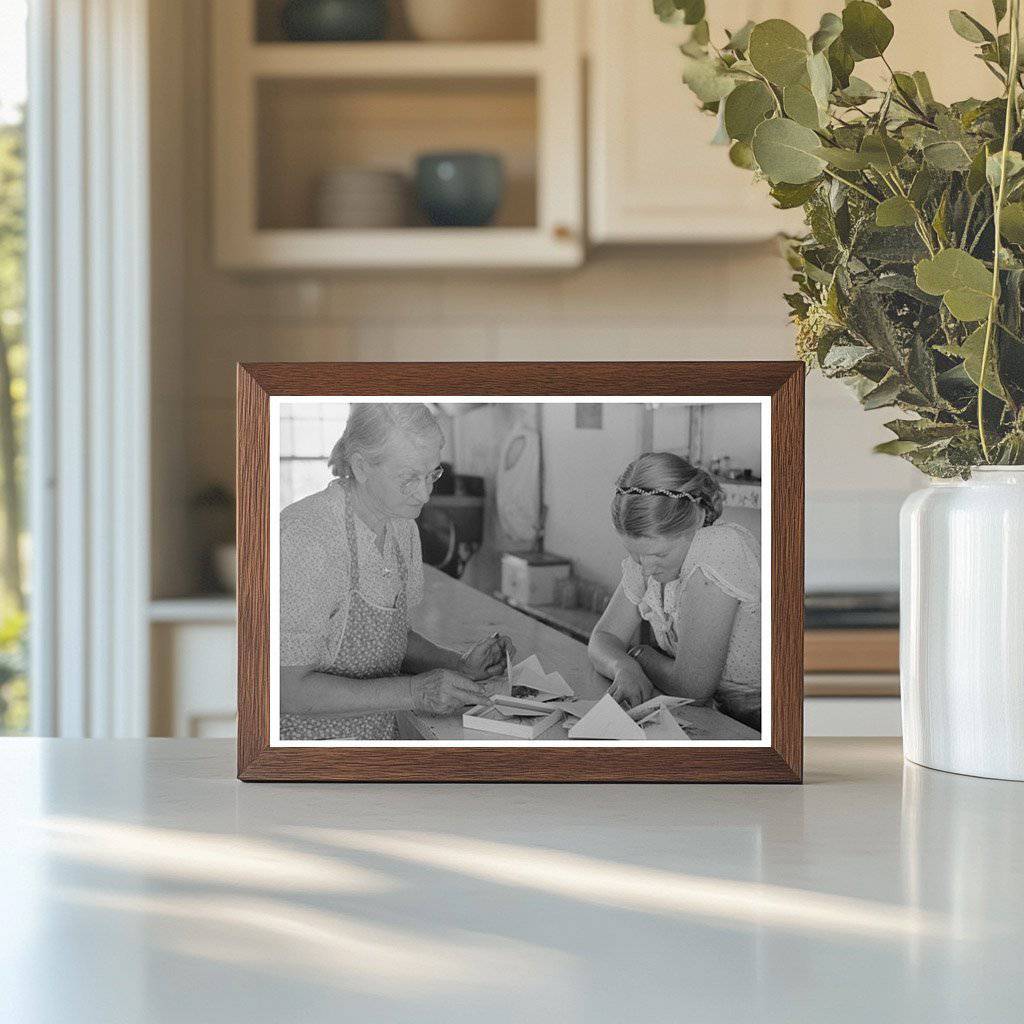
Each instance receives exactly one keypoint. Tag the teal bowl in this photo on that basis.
(460, 189)
(334, 21)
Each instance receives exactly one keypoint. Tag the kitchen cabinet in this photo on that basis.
(653, 175)
(286, 114)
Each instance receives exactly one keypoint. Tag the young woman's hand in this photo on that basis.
(630, 686)
(443, 692)
(486, 658)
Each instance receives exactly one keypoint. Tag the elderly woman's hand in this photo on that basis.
(487, 658)
(443, 692)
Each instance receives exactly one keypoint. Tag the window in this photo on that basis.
(14, 695)
(309, 430)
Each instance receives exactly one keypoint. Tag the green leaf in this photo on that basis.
(857, 91)
(976, 173)
(969, 28)
(895, 212)
(922, 185)
(895, 447)
(739, 41)
(999, 9)
(883, 152)
(693, 10)
(963, 281)
(707, 78)
(666, 10)
(866, 29)
(819, 75)
(1014, 166)
(673, 11)
(779, 51)
(844, 159)
(939, 220)
(701, 34)
(788, 196)
(947, 156)
(829, 29)
(741, 155)
(1011, 225)
(801, 106)
(924, 88)
(883, 395)
(840, 62)
(971, 352)
(786, 151)
(923, 431)
(745, 108)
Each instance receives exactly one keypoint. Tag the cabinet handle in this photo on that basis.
(562, 232)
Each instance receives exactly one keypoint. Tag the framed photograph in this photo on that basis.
(560, 572)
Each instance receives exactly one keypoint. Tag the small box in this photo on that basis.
(489, 719)
(529, 577)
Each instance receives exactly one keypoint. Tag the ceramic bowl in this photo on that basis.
(470, 20)
(333, 21)
(460, 189)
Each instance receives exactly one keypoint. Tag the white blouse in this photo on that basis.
(727, 555)
(316, 574)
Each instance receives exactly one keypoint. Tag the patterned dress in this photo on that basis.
(373, 646)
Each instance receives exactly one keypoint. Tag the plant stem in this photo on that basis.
(853, 185)
(1011, 108)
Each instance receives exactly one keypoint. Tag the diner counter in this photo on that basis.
(455, 615)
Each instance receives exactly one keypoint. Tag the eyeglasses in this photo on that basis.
(409, 485)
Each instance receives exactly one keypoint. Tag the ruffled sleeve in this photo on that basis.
(311, 587)
(727, 555)
(633, 585)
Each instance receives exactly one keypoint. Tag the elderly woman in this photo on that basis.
(351, 568)
(695, 581)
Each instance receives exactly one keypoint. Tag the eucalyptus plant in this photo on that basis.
(902, 290)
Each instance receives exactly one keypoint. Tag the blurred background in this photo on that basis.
(427, 180)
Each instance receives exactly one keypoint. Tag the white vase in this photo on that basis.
(962, 624)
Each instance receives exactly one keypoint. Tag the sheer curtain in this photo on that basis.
(88, 329)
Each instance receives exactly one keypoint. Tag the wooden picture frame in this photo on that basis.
(779, 759)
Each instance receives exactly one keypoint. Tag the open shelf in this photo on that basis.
(309, 127)
(387, 60)
(286, 114)
(520, 23)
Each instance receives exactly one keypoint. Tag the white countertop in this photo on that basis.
(140, 882)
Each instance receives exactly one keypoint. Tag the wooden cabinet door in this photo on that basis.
(653, 174)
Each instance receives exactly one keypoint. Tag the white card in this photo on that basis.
(606, 721)
(663, 726)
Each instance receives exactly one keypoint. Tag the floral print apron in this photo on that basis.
(372, 647)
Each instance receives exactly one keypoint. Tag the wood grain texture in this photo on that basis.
(852, 650)
(780, 762)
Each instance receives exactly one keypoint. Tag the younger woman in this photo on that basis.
(697, 582)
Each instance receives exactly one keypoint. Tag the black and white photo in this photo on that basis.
(519, 571)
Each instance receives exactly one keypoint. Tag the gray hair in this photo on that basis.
(371, 426)
(660, 494)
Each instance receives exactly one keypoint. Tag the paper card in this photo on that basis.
(606, 721)
(530, 674)
(530, 664)
(662, 700)
(663, 726)
(523, 702)
(518, 712)
(574, 707)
